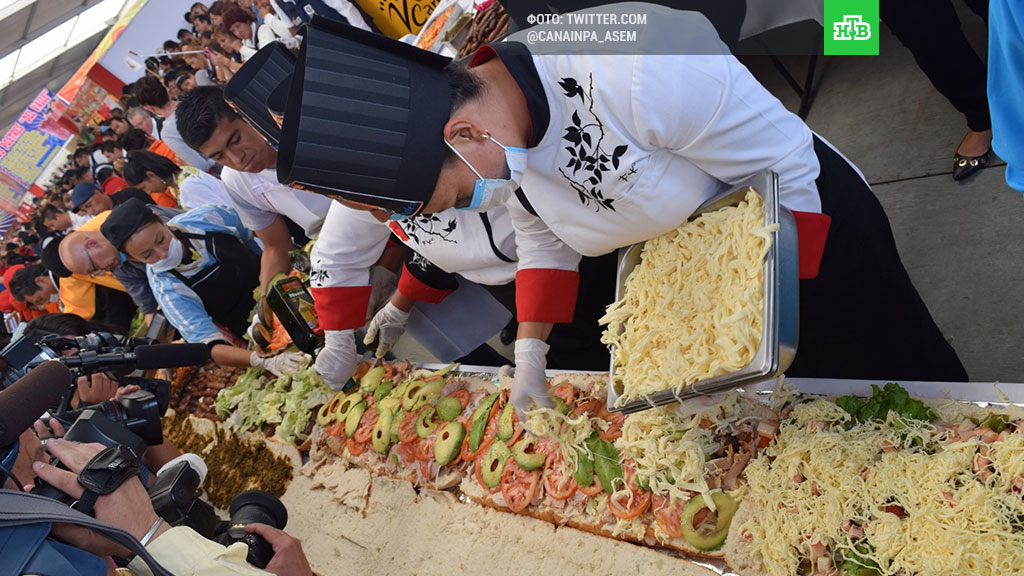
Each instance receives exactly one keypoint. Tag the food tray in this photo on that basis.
(781, 300)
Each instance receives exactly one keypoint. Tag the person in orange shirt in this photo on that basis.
(22, 308)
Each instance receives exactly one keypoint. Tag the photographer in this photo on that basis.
(180, 549)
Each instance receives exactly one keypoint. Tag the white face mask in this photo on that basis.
(492, 192)
(54, 298)
(175, 250)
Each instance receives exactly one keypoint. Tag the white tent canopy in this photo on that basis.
(43, 42)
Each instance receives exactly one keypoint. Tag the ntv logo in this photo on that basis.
(851, 28)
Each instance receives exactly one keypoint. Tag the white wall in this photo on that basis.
(156, 22)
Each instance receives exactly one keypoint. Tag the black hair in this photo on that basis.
(152, 64)
(62, 324)
(170, 46)
(82, 172)
(142, 161)
(81, 151)
(103, 173)
(182, 32)
(463, 87)
(199, 112)
(203, 17)
(133, 139)
(151, 92)
(49, 211)
(23, 283)
(108, 146)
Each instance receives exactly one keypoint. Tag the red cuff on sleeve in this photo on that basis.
(546, 295)
(341, 307)
(812, 230)
(411, 287)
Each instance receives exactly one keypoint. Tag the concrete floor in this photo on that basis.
(962, 243)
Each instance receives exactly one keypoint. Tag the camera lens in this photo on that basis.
(258, 506)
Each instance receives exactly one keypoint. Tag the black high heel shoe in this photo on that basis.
(964, 166)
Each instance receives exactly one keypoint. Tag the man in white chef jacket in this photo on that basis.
(608, 151)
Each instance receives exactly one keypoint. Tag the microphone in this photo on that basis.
(23, 402)
(143, 358)
(171, 355)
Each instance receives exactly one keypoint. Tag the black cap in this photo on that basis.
(248, 89)
(124, 220)
(50, 255)
(365, 118)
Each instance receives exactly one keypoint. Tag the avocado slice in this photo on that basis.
(448, 442)
(429, 393)
(425, 424)
(561, 406)
(412, 388)
(389, 405)
(381, 438)
(372, 378)
(322, 418)
(383, 389)
(506, 423)
(527, 461)
(448, 408)
(396, 421)
(353, 418)
(479, 421)
(606, 462)
(711, 534)
(346, 406)
(584, 473)
(493, 464)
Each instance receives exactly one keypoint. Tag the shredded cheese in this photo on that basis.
(668, 450)
(823, 471)
(692, 308)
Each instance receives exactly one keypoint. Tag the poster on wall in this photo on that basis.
(28, 147)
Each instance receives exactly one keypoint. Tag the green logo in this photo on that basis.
(851, 27)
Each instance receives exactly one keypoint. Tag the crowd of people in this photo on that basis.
(175, 205)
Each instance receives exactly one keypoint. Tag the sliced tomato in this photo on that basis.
(424, 449)
(558, 479)
(462, 396)
(518, 486)
(361, 371)
(629, 506)
(594, 489)
(669, 516)
(591, 407)
(389, 372)
(407, 429)
(336, 429)
(406, 452)
(366, 425)
(433, 378)
(354, 447)
(615, 419)
(566, 392)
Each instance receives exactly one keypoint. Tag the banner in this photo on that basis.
(28, 147)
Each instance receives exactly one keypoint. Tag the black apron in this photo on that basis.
(861, 317)
(226, 286)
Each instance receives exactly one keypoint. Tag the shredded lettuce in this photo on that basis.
(287, 401)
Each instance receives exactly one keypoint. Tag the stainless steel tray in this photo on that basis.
(780, 323)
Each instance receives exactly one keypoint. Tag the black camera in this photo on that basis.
(138, 412)
(249, 507)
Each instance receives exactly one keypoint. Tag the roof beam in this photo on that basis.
(28, 36)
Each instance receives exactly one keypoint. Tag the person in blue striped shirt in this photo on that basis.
(202, 266)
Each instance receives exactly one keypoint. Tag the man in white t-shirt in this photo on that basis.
(208, 124)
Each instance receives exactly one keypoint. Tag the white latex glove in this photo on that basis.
(281, 364)
(530, 386)
(383, 283)
(388, 324)
(337, 361)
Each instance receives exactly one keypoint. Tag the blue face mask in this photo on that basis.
(492, 192)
